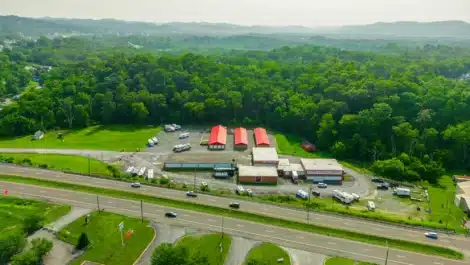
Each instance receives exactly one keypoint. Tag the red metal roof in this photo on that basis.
(261, 136)
(218, 135)
(241, 137)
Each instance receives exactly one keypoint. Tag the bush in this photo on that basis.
(10, 160)
(45, 166)
(35, 255)
(164, 181)
(32, 223)
(27, 161)
(82, 241)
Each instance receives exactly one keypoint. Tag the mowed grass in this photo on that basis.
(317, 229)
(100, 137)
(72, 163)
(14, 210)
(292, 145)
(208, 245)
(103, 233)
(443, 208)
(269, 254)
(345, 261)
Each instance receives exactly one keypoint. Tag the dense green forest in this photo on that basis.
(13, 76)
(406, 113)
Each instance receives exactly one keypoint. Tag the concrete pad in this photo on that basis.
(300, 257)
(239, 250)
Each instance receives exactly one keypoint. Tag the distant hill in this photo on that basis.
(35, 27)
(441, 29)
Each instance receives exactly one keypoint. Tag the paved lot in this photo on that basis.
(285, 237)
(239, 250)
(300, 257)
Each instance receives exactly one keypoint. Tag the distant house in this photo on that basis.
(38, 135)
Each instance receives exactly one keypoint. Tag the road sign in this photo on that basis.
(121, 226)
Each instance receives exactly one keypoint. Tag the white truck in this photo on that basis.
(181, 147)
(404, 192)
(343, 197)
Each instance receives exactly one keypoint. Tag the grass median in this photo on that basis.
(371, 239)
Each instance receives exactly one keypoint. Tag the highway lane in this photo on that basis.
(363, 226)
(282, 236)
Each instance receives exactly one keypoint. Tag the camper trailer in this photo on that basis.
(169, 128)
(301, 194)
(183, 136)
(343, 197)
(150, 173)
(142, 171)
(404, 192)
(181, 147)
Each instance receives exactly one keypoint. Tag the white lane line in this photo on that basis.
(265, 209)
(400, 256)
(240, 225)
(21, 188)
(437, 263)
(38, 173)
(211, 220)
(135, 206)
(269, 231)
(331, 243)
(377, 229)
(42, 191)
(110, 202)
(212, 200)
(300, 237)
(365, 249)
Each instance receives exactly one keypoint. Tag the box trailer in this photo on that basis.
(405, 192)
(181, 147)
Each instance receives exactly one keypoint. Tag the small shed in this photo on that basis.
(38, 135)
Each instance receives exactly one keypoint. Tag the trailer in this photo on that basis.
(301, 194)
(176, 126)
(182, 147)
(404, 192)
(343, 197)
(150, 143)
(155, 140)
(129, 169)
(150, 173)
(183, 135)
(142, 171)
(169, 128)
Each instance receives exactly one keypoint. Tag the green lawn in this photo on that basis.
(443, 209)
(105, 238)
(269, 253)
(14, 210)
(208, 245)
(292, 145)
(323, 230)
(344, 261)
(78, 164)
(112, 137)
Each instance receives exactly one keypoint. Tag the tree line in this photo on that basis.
(406, 114)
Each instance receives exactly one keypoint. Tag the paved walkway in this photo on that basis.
(239, 250)
(73, 215)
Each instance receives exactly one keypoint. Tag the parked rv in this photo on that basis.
(150, 143)
(403, 192)
(155, 140)
(142, 171)
(176, 126)
(181, 147)
(301, 194)
(169, 128)
(356, 197)
(239, 190)
(135, 171)
(183, 136)
(130, 169)
(343, 197)
(150, 173)
(371, 206)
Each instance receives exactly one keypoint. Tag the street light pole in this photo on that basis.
(386, 256)
(142, 211)
(89, 173)
(194, 188)
(98, 202)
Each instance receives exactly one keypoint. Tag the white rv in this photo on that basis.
(371, 206)
(169, 128)
(176, 126)
(150, 173)
(343, 197)
(183, 136)
(135, 171)
(301, 194)
(142, 171)
(129, 169)
(402, 192)
(181, 147)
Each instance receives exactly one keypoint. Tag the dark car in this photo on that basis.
(377, 180)
(235, 205)
(170, 215)
(316, 193)
(191, 194)
(383, 186)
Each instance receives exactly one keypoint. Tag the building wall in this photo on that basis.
(262, 145)
(325, 179)
(252, 179)
(265, 163)
(217, 147)
(241, 146)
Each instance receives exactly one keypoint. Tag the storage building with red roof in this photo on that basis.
(261, 137)
(218, 137)
(240, 138)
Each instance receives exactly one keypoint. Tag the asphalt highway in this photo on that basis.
(369, 227)
(285, 237)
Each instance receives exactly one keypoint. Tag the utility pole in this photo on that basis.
(89, 171)
(98, 202)
(386, 257)
(194, 188)
(222, 227)
(142, 211)
(308, 204)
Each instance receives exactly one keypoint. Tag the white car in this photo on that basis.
(322, 185)
(135, 185)
(432, 235)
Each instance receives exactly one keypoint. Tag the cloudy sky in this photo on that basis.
(247, 12)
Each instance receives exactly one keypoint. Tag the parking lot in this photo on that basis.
(167, 140)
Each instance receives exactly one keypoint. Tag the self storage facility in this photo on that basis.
(240, 138)
(218, 138)
(265, 156)
(323, 170)
(261, 137)
(253, 174)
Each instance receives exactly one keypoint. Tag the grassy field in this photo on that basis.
(113, 137)
(291, 145)
(344, 261)
(78, 164)
(269, 253)
(14, 210)
(104, 235)
(208, 245)
(372, 239)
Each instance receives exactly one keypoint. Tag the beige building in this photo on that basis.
(323, 170)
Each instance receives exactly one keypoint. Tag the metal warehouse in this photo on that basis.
(253, 174)
(261, 137)
(218, 138)
(240, 138)
(198, 161)
(323, 170)
(265, 156)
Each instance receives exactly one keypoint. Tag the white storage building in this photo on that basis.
(322, 170)
(265, 156)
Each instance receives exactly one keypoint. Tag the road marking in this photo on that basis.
(38, 173)
(110, 202)
(240, 225)
(300, 237)
(269, 231)
(135, 206)
(400, 256)
(365, 249)
(212, 200)
(331, 243)
(437, 263)
(21, 188)
(42, 191)
(377, 229)
(211, 220)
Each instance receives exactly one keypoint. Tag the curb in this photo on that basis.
(148, 246)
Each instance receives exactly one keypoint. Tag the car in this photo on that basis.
(191, 194)
(432, 235)
(322, 185)
(135, 185)
(316, 193)
(171, 214)
(383, 186)
(235, 205)
(377, 180)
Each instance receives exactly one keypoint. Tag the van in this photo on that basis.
(371, 206)
(301, 194)
(183, 136)
(240, 190)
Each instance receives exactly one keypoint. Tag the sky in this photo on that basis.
(310, 13)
